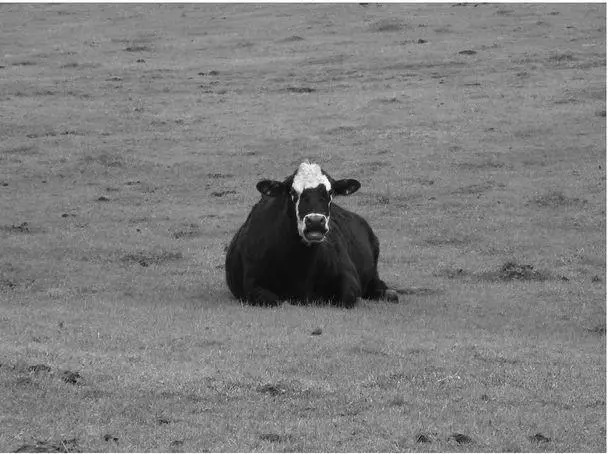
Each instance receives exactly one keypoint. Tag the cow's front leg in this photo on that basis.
(378, 290)
(349, 289)
(258, 295)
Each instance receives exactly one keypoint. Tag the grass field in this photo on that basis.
(132, 138)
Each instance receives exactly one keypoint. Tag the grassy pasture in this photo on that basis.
(132, 138)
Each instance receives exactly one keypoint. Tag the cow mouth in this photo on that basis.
(314, 236)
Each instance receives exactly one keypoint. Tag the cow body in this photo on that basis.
(289, 248)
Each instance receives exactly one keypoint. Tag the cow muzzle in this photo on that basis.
(315, 227)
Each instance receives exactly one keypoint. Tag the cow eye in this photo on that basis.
(294, 195)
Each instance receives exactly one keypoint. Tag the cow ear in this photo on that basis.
(270, 188)
(346, 187)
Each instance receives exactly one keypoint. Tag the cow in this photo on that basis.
(297, 245)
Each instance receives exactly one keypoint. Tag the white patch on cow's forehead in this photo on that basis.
(309, 175)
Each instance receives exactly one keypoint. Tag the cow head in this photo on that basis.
(309, 192)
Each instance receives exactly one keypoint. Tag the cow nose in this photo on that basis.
(315, 221)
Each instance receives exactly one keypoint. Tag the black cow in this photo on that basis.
(297, 245)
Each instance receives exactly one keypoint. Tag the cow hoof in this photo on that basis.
(348, 303)
(391, 295)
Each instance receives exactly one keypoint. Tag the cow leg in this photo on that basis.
(260, 296)
(349, 290)
(391, 295)
(378, 290)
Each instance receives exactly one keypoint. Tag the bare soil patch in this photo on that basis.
(148, 258)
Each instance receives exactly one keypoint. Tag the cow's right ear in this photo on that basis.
(345, 187)
(270, 188)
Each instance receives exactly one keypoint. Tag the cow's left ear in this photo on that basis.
(270, 188)
(345, 187)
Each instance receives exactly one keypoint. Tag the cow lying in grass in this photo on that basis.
(297, 245)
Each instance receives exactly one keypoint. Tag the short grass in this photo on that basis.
(131, 142)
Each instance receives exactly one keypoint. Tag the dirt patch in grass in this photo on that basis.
(219, 175)
(417, 291)
(600, 330)
(22, 228)
(512, 271)
(397, 401)
(68, 445)
(539, 438)
(25, 63)
(291, 39)
(389, 381)
(148, 258)
(105, 159)
(352, 408)
(389, 25)
(21, 150)
(495, 359)
(176, 445)
(7, 284)
(138, 48)
(275, 389)
(276, 438)
(223, 193)
(391, 100)
(191, 230)
(289, 389)
(300, 89)
(508, 271)
(425, 437)
(109, 437)
(71, 377)
(456, 241)
(13, 277)
(78, 65)
(477, 188)
(343, 130)
(461, 439)
(36, 368)
(360, 350)
(450, 272)
(556, 199)
(161, 420)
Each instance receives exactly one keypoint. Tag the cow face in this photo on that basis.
(310, 191)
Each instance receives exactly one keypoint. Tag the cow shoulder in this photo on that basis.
(356, 234)
(263, 231)
(348, 221)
